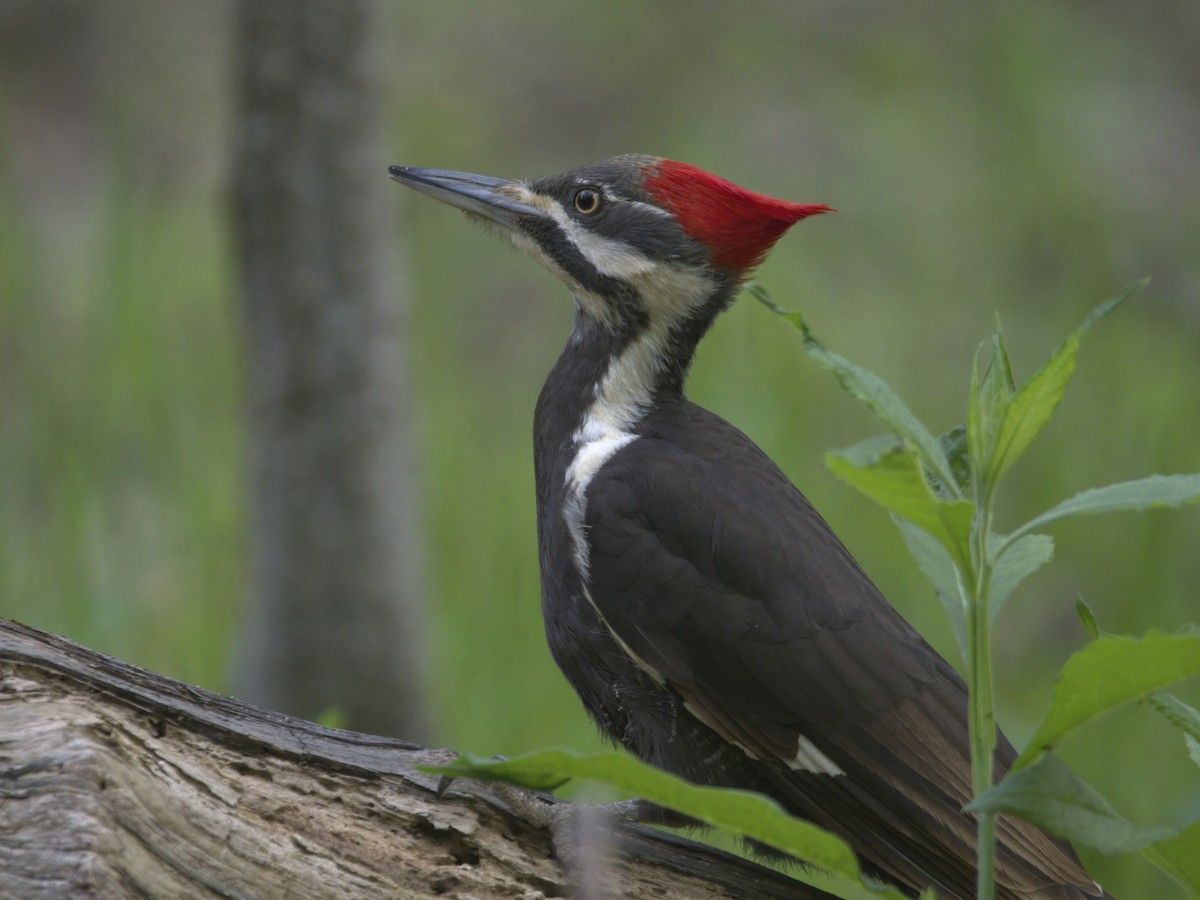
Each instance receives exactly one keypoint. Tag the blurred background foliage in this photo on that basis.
(1024, 157)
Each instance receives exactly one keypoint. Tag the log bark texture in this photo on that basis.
(116, 782)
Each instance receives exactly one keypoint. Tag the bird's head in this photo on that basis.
(643, 243)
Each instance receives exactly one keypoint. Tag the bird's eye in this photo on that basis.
(588, 201)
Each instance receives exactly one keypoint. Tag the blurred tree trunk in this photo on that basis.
(334, 619)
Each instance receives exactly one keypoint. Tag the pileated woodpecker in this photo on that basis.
(705, 613)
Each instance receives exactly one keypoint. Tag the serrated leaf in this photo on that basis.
(1019, 560)
(1179, 857)
(869, 451)
(1184, 717)
(989, 401)
(1034, 404)
(1000, 359)
(934, 561)
(1143, 493)
(741, 813)
(870, 389)
(954, 445)
(1086, 616)
(1108, 672)
(896, 481)
(1051, 796)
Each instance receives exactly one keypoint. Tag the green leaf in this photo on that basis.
(896, 481)
(1179, 857)
(954, 445)
(742, 813)
(1184, 717)
(1034, 404)
(989, 402)
(1108, 672)
(1051, 796)
(934, 561)
(872, 390)
(1018, 561)
(1000, 362)
(1086, 616)
(538, 771)
(868, 452)
(1143, 493)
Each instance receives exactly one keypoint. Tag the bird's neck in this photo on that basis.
(606, 382)
(582, 388)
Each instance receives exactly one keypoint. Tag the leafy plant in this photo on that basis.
(741, 813)
(941, 492)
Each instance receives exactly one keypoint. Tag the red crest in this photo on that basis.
(738, 226)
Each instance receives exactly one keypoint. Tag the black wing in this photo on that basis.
(721, 579)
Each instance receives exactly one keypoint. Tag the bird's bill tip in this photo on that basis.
(496, 199)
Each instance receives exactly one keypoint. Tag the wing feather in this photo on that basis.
(720, 576)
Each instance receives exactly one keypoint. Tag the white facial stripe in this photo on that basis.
(671, 294)
(667, 291)
(595, 306)
(613, 258)
(650, 207)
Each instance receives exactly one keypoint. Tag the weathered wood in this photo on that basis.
(117, 782)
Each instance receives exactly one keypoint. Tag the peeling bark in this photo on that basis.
(117, 782)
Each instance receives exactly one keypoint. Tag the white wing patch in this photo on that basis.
(809, 759)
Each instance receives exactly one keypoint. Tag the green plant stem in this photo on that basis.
(981, 719)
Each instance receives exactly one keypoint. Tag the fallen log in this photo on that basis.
(119, 782)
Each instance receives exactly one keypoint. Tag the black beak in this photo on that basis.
(494, 199)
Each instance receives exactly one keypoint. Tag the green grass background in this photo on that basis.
(1026, 157)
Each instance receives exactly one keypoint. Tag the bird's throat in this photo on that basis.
(600, 391)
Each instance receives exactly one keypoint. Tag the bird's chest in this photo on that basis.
(573, 445)
(565, 479)
(613, 689)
